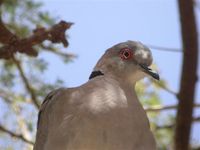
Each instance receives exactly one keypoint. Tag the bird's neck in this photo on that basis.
(129, 90)
(125, 84)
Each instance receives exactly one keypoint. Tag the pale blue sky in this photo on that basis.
(101, 23)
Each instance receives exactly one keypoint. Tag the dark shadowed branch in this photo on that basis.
(188, 76)
(6, 36)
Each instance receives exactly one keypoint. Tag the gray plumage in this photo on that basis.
(104, 113)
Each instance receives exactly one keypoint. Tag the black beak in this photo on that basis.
(149, 71)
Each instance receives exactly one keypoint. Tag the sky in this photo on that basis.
(99, 24)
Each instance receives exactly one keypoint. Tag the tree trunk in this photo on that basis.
(189, 75)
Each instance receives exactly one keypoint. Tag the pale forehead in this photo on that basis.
(131, 44)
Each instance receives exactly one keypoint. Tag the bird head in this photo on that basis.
(128, 60)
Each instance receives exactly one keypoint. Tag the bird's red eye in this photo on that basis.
(126, 53)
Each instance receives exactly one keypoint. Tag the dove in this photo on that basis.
(104, 113)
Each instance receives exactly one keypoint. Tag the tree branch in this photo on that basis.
(162, 108)
(19, 136)
(197, 4)
(5, 96)
(188, 76)
(167, 89)
(6, 37)
(13, 44)
(196, 119)
(170, 126)
(52, 50)
(26, 83)
(164, 48)
(9, 97)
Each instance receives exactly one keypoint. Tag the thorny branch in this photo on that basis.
(13, 44)
(19, 136)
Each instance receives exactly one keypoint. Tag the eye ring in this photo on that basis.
(126, 53)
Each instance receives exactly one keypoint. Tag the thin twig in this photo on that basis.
(9, 97)
(165, 48)
(197, 4)
(170, 126)
(196, 119)
(5, 96)
(19, 136)
(26, 83)
(167, 89)
(59, 53)
(162, 108)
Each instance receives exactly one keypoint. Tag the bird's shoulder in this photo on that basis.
(100, 83)
(45, 115)
(101, 94)
(51, 99)
(69, 100)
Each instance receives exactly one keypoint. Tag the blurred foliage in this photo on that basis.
(18, 113)
(148, 93)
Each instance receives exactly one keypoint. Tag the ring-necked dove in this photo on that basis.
(104, 113)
